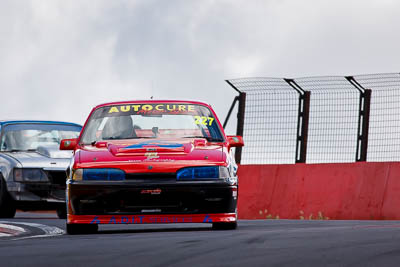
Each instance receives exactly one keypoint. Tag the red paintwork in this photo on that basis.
(117, 154)
(344, 191)
(148, 219)
(235, 141)
(110, 154)
(168, 159)
(68, 144)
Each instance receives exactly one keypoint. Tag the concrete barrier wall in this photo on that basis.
(366, 190)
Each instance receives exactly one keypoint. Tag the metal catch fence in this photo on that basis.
(319, 119)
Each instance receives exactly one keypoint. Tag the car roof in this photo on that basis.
(3, 122)
(152, 102)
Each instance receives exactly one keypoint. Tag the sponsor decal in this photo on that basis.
(152, 160)
(153, 109)
(151, 155)
(137, 219)
(207, 219)
(95, 220)
(151, 191)
(154, 144)
(203, 120)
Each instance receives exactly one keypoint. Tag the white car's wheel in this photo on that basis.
(7, 204)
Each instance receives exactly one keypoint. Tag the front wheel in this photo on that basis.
(79, 229)
(224, 226)
(7, 204)
(62, 212)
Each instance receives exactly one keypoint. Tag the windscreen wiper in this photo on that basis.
(197, 136)
(21, 150)
(210, 139)
(116, 138)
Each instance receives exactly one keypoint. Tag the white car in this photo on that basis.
(32, 168)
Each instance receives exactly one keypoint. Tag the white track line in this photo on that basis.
(2, 234)
(48, 230)
(10, 230)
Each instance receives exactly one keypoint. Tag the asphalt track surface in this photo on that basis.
(254, 243)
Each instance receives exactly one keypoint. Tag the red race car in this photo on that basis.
(139, 162)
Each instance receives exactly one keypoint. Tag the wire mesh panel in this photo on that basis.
(339, 127)
(270, 124)
(384, 123)
(333, 119)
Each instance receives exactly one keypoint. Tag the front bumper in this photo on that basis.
(39, 192)
(52, 191)
(152, 218)
(38, 196)
(126, 202)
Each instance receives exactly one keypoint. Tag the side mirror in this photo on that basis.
(235, 141)
(68, 144)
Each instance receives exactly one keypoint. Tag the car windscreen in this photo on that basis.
(30, 136)
(160, 120)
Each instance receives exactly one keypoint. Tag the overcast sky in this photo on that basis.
(58, 59)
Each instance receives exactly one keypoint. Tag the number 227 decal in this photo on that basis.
(203, 120)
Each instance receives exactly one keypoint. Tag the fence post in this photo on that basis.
(302, 121)
(240, 124)
(236, 99)
(363, 119)
(240, 118)
(303, 137)
(365, 125)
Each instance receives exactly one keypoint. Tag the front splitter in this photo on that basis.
(151, 218)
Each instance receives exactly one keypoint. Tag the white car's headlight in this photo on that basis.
(30, 175)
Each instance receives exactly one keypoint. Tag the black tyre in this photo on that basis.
(7, 204)
(62, 212)
(224, 226)
(80, 229)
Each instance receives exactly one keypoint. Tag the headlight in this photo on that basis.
(98, 175)
(30, 175)
(207, 172)
(77, 174)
